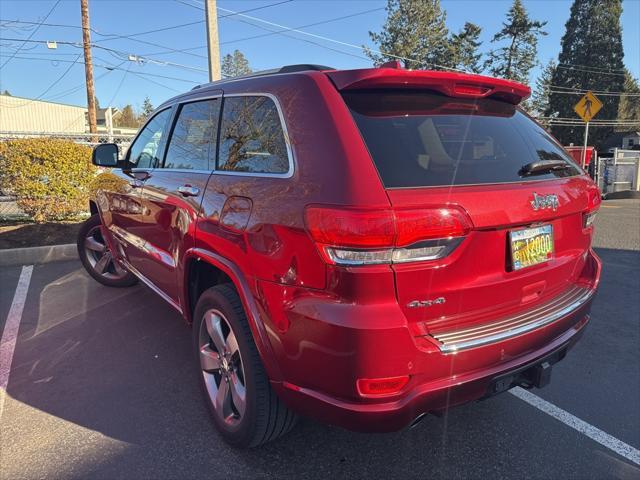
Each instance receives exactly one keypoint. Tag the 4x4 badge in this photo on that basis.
(540, 202)
(426, 303)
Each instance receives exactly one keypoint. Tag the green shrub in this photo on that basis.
(109, 182)
(49, 177)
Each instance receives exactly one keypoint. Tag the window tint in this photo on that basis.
(193, 141)
(251, 137)
(143, 153)
(424, 139)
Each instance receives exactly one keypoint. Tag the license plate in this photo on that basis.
(531, 246)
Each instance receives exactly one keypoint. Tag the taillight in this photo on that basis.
(351, 228)
(349, 236)
(593, 205)
(588, 219)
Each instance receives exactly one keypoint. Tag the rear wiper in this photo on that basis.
(542, 166)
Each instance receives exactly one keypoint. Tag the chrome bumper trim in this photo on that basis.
(561, 306)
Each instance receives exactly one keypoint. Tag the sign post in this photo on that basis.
(586, 108)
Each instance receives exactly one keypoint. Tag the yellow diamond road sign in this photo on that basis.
(588, 106)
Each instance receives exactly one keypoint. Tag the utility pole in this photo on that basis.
(212, 40)
(88, 66)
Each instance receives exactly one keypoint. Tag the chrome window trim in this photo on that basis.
(184, 170)
(214, 170)
(285, 132)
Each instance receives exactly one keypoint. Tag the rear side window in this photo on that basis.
(193, 141)
(422, 139)
(251, 137)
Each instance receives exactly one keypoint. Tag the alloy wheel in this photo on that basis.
(100, 257)
(222, 368)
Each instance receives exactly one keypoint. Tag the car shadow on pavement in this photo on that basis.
(119, 362)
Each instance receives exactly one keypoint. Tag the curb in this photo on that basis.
(35, 255)
(622, 195)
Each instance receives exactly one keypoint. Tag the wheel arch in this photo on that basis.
(224, 271)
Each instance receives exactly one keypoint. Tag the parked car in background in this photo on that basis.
(360, 246)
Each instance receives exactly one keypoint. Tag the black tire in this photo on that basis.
(265, 417)
(113, 275)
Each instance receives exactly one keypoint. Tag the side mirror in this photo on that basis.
(105, 155)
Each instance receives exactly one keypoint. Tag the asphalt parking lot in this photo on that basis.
(102, 386)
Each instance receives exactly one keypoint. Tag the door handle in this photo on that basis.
(188, 191)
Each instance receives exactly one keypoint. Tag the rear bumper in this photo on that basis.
(425, 398)
(438, 379)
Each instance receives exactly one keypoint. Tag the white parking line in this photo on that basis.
(595, 434)
(10, 333)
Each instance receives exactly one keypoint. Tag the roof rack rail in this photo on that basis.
(303, 67)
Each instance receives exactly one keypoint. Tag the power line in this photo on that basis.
(31, 34)
(53, 84)
(122, 55)
(111, 67)
(622, 70)
(115, 94)
(328, 39)
(557, 89)
(143, 76)
(272, 32)
(304, 26)
(197, 7)
(128, 36)
(190, 5)
(590, 71)
(80, 86)
(306, 40)
(146, 42)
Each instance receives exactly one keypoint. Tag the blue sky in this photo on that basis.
(35, 68)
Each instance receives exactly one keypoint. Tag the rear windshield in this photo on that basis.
(419, 139)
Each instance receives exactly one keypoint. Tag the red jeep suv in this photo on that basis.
(360, 246)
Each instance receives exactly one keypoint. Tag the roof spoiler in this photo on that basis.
(451, 84)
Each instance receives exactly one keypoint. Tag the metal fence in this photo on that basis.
(619, 173)
(90, 139)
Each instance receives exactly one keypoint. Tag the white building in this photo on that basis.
(25, 115)
(18, 114)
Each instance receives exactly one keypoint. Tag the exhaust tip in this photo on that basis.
(417, 420)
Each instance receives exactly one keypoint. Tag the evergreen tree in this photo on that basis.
(147, 109)
(235, 65)
(591, 58)
(414, 29)
(7, 93)
(516, 59)
(464, 47)
(127, 118)
(539, 103)
(629, 109)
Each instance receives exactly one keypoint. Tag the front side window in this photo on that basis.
(143, 153)
(251, 137)
(193, 141)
